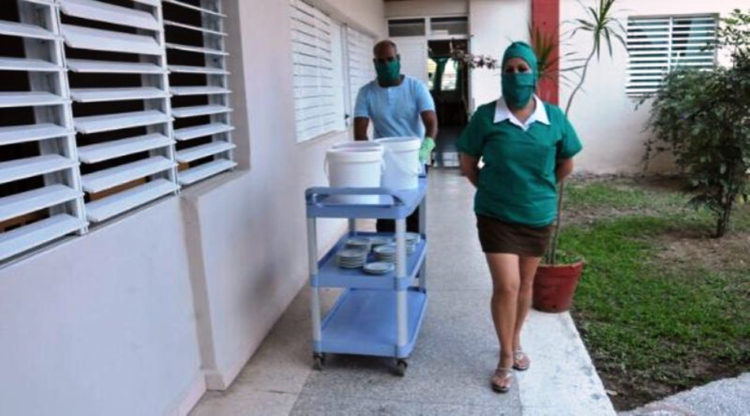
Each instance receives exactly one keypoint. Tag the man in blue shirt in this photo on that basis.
(397, 105)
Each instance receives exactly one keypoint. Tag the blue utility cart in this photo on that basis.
(375, 315)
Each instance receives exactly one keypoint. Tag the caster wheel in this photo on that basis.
(318, 361)
(401, 368)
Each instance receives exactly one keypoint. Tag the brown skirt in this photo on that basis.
(497, 236)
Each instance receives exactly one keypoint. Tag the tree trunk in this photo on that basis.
(722, 225)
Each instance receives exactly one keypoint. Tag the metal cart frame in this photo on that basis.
(375, 315)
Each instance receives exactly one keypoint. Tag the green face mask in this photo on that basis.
(388, 72)
(518, 88)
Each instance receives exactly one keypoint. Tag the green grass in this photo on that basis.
(601, 194)
(655, 325)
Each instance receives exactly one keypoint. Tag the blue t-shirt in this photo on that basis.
(395, 111)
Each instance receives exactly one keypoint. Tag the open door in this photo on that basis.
(449, 86)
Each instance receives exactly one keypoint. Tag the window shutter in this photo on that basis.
(315, 78)
(361, 70)
(658, 45)
(86, 118)
(118, 83)
(40, 191)
(199, 86)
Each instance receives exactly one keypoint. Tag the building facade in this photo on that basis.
(140, 312)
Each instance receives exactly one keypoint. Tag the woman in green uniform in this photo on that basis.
(526, 146)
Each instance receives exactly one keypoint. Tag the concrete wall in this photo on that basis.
(252, 227)
(127, 319)
(611, 128)
(102, 324)
(412, 8)
(493, 25)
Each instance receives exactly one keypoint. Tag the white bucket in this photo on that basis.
(358, 145)
(401, 158)
(354, 167)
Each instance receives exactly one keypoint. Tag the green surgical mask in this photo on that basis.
(518, 88)
(388, 72)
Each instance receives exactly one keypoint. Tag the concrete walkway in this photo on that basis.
(728, 397)
(456, 352)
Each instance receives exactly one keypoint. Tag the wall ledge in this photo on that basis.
(214, 184)
(190, 397)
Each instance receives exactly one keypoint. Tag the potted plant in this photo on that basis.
(559, 273)
(703, 119)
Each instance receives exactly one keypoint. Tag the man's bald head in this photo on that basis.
(385, 48)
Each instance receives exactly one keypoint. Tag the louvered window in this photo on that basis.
(86, 114)
(658, 45)
(40, 197)
(361, 70)
(197, 56)
(118, 83)
(318, 84)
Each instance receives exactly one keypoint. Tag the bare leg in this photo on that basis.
(505, 285)
(528, 266)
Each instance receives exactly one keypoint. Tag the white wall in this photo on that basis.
(102, 324)
(611, 129)
(252, 228)
(125, 320)
(415, 8)
(493, 25)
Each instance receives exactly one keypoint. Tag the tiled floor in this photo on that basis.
(449, 370)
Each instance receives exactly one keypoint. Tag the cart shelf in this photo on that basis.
(364, 322)
(393, 204)
(377, 315)
(331, 275)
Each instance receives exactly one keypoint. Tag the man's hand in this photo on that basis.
(425, 150)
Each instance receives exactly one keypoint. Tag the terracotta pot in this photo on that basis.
(554, 286)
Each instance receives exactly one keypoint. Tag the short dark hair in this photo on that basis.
(382, 43)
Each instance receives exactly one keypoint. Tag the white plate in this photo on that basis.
(381, 240)
(362, 243)
(351, 253)
(378, 268)
(387, 250)
(413, 238)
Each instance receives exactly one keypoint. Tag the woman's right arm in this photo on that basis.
(470, 167)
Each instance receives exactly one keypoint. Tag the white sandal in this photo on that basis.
(501, 380)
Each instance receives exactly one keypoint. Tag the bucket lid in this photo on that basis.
(372, 154)
(400, 144)
(361, 144)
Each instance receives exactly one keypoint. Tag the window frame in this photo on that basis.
(61, 197)
(324, 111)
(632, 70)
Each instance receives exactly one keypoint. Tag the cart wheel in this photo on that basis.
(319, 361)
(401, 367)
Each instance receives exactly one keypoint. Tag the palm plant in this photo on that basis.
(603, 29)
(546, 47)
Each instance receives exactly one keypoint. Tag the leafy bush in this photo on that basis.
(703, 118)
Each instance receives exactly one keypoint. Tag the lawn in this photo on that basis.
(662, 307)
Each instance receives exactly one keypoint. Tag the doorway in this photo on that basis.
(448, 81)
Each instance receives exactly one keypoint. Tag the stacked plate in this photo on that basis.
(360, 243)
(385, 253)
(379, 240)
(379, 268)
(351, 258)
(413, 238)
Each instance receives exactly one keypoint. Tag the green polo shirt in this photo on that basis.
(517, 183)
